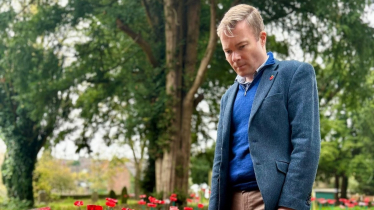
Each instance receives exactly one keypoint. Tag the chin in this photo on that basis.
(244, 74)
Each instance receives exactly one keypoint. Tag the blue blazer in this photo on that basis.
(284, 137)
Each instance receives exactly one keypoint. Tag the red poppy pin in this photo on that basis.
(271, 77)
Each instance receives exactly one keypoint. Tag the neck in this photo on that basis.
(263, 59)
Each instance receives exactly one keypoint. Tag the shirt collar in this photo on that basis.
(269, 61)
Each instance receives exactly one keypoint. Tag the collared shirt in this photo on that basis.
(242, 81)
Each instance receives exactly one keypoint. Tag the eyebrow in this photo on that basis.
(240, 43)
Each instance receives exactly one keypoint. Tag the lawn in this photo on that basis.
(68, 204)
(338, 208)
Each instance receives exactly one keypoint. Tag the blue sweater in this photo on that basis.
(242, 175)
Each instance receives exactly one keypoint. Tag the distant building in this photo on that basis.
(122, 174)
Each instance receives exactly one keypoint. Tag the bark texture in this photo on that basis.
(184, 77)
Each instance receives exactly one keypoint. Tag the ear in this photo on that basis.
(263, 38)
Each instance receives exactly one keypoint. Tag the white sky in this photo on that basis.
(66, 149)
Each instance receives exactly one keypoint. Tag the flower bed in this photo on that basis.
(145, 203)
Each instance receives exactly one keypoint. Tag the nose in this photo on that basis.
(235, 56)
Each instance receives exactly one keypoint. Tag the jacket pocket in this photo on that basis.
(274, 97)
(282, 166)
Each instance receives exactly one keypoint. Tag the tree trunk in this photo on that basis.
(344, 186)
(18, 167)
(138, 175)
(166, 166)
(182, 83)
(337, 187)
(138, 165)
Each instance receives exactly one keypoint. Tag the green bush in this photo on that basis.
(112, 194)
(124, 195)
(12, 204)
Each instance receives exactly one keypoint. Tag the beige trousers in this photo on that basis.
(247, 201)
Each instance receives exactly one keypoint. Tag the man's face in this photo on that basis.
(244, 51)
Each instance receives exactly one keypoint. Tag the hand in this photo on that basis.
(284, 208)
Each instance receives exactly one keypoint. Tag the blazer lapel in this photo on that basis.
(263, 88)
(231, 93)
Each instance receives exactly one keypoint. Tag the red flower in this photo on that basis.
(173, 199)
(90, 207)
(312, 198)
(189, 200)
(152, 199)
(343, 200)
(331, 201)
(200, 206)
(94, 207)
(111, 200)
(110, 204)
(192, 195)
(188, 208)
(78, 203)
(173, 208)
(151, 205)
(351, 205)
(142, 202)
(161, 202)
(45, 208)
(173, 195)
(126, 209)
(142, 196)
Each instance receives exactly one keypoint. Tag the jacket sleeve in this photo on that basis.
(303, 113)
(214, 196)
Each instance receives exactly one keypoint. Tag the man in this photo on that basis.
(268, 139)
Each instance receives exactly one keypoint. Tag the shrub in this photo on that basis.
(124, 195)
(112, 194)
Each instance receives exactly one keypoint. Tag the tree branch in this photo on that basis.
(131, 145)
(148, 14)
(190, 55)
(139, 40)
(198, 99)
(208, 54)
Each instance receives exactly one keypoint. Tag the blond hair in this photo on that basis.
(237, 14)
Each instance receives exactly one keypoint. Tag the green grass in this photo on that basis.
(338, 208)
(68, 204)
